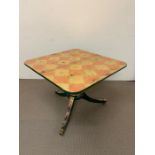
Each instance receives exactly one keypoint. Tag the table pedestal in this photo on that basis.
(72, 98)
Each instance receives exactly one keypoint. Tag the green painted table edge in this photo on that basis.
(78, 91)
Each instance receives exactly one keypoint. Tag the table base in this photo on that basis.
(72, 98)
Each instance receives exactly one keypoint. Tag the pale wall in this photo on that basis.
(103, 26)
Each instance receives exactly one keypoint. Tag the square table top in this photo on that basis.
(74, 70)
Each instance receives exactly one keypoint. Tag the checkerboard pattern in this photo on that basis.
(75, 70)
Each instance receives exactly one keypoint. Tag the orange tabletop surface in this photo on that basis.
(74, 70)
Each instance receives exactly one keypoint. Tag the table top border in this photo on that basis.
(78, 91)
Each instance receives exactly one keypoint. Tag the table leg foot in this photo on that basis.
(90, 99)
(67, 115)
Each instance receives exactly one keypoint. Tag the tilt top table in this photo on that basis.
(74, 71)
